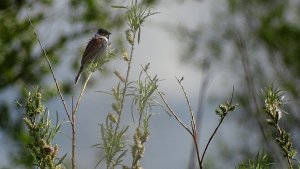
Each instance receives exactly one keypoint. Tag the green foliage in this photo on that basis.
(16, 44)
(41, 132)
(143, 99)
(117, 94)
(261, 161)
(140, 137)
(21, 64)
(99, 63)
(143, 94)
(112, 142)
(269, 31)
(273, 102)
(224, 109)
(274, 24)
(136, 15)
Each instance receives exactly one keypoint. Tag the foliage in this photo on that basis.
(260, 37)
(23, 65)
(18, 48)
(112, 142)
(261, 161)
(41, 132)
(273, 102)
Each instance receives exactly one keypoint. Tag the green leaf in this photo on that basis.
(61, 160)
(118, 7)
(139, 35)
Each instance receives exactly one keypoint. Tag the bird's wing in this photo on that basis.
(91, 49)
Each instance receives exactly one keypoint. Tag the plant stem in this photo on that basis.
(73, 122)
(126, 83)
(73, 125)
(202, 94)
(210, 139)
(195, 140)
(50, 66)
(193, 123)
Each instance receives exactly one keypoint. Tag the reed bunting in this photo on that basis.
(95, 48)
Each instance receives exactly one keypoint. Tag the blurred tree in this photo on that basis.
(22, 62)
(262, 39)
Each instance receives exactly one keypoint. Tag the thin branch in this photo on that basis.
(210, 139)
(50, 66)
(193, 122)
(73, 141)
(189, 104)
(73, 124)
(81, 93)
(195, 139)
(126, 83)
(168, 106)
(200, 108)
(173, 113)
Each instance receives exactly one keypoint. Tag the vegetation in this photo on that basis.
(36, 146)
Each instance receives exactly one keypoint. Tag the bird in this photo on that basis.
(95, 49)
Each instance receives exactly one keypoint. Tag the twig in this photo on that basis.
(73, 124)
(189, 104)
(216, 129)
(49, 64)
(81, 93)
(74, 110)
(199, 113)
(210, 139)
(193, 122)
(125, 84)
(172, 112)
(195, 139)
(168, 106)
(192, 132)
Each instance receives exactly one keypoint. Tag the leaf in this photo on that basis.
(139, 35)
(62, 159)
(118, 7)
(119, 159)
(98, 163)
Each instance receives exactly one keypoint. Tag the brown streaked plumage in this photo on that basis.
(94, 49)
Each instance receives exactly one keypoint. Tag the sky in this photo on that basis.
(169, 144)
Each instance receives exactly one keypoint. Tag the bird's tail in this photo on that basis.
(78, 75)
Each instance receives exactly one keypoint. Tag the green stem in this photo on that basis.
(210, 139)
(73, 122)
(126, 83)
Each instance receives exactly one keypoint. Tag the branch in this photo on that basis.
(199, 113)
(129, 61)
(173, 113)
(210, 139)
(168, 106)
(189, 104)
(193, 122)
(81, 93)
(73, 124)
(50, 66)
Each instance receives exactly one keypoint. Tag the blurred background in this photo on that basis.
(214, 45)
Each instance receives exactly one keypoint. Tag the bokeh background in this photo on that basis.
(214, 45)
